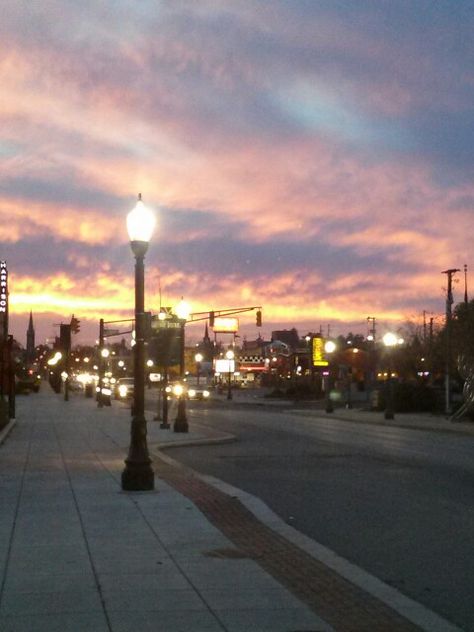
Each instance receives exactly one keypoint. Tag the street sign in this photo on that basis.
(165, 323)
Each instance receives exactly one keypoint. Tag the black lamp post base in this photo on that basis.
(181, 421)
(389, 414)
(138, 477)
(180, 425)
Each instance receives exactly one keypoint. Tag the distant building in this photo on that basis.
(252, 362)
(30, 341)
(288, 336)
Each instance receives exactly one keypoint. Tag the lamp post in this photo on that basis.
(138, 474)
(181, 422)
(389, 340)
(103, 355)
(230, 359)
(329, 348)
(198, 358)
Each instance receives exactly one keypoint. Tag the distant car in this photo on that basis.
(178, 389)
(196, 392)
(27, 381)
(125, 388)
(175, 390)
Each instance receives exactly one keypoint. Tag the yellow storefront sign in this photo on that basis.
(318, 352)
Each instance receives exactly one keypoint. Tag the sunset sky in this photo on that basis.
(314, 157)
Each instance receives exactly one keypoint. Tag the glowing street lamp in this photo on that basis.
(138, 474)
(198, 359)
(390, 340)
(104, 354)
(182, 311)
(329, 348)
(230, 359)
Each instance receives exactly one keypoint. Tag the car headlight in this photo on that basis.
(205, 393)
(123, 390)
(192, 392)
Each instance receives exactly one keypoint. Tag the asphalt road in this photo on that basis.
(397, 502)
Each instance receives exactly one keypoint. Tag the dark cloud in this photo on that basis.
(63, 191)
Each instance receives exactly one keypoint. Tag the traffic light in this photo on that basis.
(259, 318)
(65, 337)
(75, 325)
(211, 319)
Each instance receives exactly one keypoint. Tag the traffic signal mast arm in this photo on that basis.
(114, 322)
(194, 317)
(222, 312)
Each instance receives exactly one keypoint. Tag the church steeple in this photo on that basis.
(30, 340)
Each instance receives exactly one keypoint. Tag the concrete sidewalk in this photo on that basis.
(78, 554)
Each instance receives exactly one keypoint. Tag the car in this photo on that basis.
(196, 392)
(125, 388)
(27, 381)
(176, 390)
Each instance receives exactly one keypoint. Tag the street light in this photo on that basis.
(181, 422)
(230, 359)
(103, 355)
(138, 474)
(329, 348)
(389, 340)
(198, 358)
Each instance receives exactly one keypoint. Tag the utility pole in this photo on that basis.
(449, 301)
(465, 284)
(371, 325)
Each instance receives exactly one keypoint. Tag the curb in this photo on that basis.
(289, 406)
(418, 614)
(6, 430)
(374, 422)
(211, 438)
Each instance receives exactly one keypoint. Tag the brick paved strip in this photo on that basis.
(344, 606)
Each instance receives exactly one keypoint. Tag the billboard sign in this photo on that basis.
(224, 366)
(225, 325)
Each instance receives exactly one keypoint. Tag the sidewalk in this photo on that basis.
(78, 554)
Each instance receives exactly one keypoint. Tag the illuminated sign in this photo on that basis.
(224, 366)
(225, 325)
(3, 287)
(3, 300)
(318, 352)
